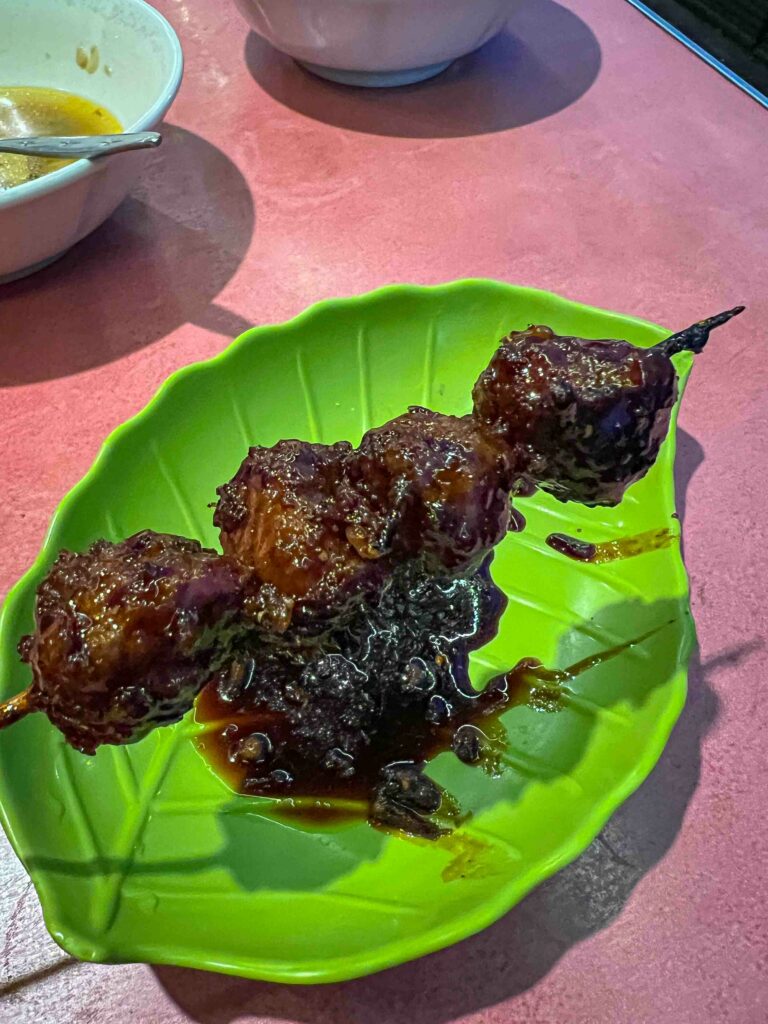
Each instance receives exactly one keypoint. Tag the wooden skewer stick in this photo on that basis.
(694, 338)
(15, 708)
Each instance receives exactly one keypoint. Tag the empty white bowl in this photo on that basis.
(134, 71)
(376, 42)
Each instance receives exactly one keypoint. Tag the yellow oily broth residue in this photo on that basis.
(32, 110)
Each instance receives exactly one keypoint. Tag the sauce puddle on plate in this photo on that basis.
(610, 550)
(341, 727)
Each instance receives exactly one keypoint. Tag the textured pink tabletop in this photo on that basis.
(584, 152)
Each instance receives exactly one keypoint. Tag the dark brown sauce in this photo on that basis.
(532, 683)
(409, 739)
(581, 550)
(516, 520)
(299, 724)
(355, 716)
(523, 487)
(319, 814)
(611, 550)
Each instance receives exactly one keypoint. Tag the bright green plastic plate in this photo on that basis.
(142, 853)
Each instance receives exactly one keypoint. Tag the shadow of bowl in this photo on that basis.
(157, 263)
(545, 61)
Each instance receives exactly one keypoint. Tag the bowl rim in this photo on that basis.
(64, 176)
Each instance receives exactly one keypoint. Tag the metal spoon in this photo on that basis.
(73, 146)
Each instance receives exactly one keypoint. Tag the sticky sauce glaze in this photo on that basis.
(355, 718)
(343, 731)
(610, 550)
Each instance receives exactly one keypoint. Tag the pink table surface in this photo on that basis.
(590, 154)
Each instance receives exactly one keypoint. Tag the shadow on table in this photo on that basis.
(521, 948)
(544, 61)
(688, 457)
(157, 263)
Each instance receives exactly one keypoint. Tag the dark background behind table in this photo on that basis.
(734, 31)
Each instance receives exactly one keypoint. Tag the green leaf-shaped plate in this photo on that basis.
(142, 853)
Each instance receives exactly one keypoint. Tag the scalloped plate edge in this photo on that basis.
(400, 951)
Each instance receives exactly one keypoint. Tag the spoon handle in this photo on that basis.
(79, 145)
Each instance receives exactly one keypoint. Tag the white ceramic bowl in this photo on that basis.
(138, 74)
(376, 42)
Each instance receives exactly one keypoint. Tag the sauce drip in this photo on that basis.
(355, 716)
(610, 550)
(27, 110)
(341, 728)
(516, 520)
(532, 683)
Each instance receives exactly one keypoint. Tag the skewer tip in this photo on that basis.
(15, 708)
(694, 338)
